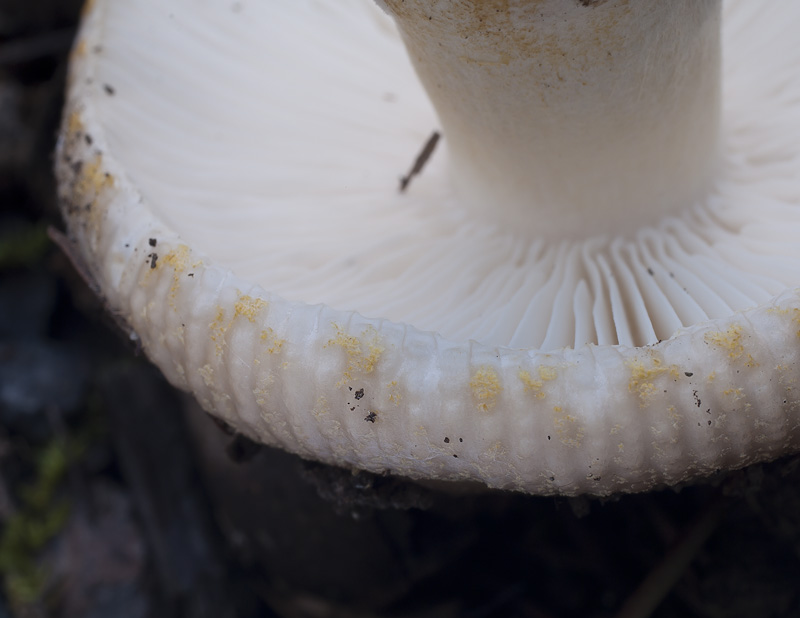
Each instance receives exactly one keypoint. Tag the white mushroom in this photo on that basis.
(607, 179)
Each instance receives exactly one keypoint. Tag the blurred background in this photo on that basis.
(119, 497)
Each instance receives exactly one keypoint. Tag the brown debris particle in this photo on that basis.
(421, 160)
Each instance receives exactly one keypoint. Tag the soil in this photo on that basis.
(119, 497)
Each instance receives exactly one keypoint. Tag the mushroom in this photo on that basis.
(591, 288)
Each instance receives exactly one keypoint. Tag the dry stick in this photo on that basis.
(67, 247)
(69, 250)
(655, 587)
(421, 160)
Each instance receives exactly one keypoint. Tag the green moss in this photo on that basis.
(42, 514)
(25, 534)
(24, 247)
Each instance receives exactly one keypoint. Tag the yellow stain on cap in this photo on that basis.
(363, 353)
(269, 337)
(249, 307)
(486, 386)
(546, 374)
(731, 341)
(569, 429)
(92, 180)
(644, 372)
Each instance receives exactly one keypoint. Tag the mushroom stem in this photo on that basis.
(563, 116)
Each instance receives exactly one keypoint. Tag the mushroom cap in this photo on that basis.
(232, 191)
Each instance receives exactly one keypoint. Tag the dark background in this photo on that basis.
(118, 497)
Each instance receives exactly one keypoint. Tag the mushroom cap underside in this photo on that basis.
(173, 119)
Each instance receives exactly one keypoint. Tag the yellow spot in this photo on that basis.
(321, 408)
(262, 390)
(644, 372)
(730, 341)
(245, 306)
(485, 384)
(711, 377)
(92, 180)
(568, 428)
(249, 307)
(795, 312)
(394, 392)
(736, 393)
(79, 50)
(207, 373)
(178, 260)
(546, 374)
(363, 353)
(497, 451)
(269, 337)
(74, 124)
(218, 328)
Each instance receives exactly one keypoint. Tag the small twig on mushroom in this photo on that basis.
(421, 160)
